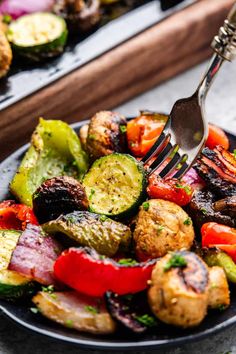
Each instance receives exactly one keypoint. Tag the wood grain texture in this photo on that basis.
(157, 54)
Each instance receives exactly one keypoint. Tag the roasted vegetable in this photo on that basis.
(75, 311)
(131, 311)
(85, 271)
(38, 36)
(143, 131)
(5, 52)
(34, 255)
(106, 236)
(227, 206)
(106, 134)
(216, 257)
(204, 208)
(58, 195)
(83, 134)
(126, 179)
(170, 189)
(217, 136)
(161, 226)
(220, 236)
(178, 294)
(55, 150)
(8, 242)
(15, 216)
(218, 288)
(218, 169)
(80, 15)
(14, 285)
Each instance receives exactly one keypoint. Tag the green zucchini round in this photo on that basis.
(38, 35)
(115, 185)
(14, 286)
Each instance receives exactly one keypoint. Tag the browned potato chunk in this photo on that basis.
(161, 228)
(218, 289)
(178, 294)
(77, 311)
(106, 134)
(5, 53)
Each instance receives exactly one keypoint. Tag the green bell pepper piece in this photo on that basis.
(55, 150)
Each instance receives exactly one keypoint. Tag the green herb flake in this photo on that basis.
(147, 320)
(69, 323)
(187, 221)
(203, 211)
(234, 153)
(53, 296)
(48, 289)
(146, 206)
(92, 137)
(123, 129)
(34, 309)
(176, 261)
(103, 218)
(6, 18)
(221, 307)
(187, 189)
(127, 261)
(92, 192)
(160, 229)
(91, 309)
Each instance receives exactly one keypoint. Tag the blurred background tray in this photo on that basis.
(167, 47)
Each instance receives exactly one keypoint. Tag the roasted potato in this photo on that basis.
(5, 52)
(106, 134)
(178, 294)
(160, 228)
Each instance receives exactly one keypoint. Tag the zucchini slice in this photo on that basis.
(38, 35)
(115, 185)
(14, 285)
(8, 242)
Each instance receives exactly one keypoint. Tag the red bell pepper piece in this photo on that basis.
(16, 216)
(216, 136)
(85, 271)
(220, 236)
(170, 189)
(217, 234)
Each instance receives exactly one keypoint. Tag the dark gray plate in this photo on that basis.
(166, 336)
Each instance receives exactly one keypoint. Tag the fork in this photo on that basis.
(186, 129)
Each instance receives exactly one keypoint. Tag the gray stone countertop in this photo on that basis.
(220, 109)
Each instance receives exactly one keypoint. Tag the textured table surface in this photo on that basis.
(221, 109)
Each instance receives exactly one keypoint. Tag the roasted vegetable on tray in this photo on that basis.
(55, 150)
(108, 248)
(38, 36)
(5, 51)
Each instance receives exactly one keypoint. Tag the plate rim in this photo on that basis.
(109, 344)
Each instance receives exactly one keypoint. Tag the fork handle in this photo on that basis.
(224, 43)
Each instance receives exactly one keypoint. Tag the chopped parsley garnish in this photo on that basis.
(91, 309)
(127, 261)
(147, 320)
(176, 261)
(187, 189)
(187, 221)
(123, 128)
(204, 211)
(48, 289)
(102, 257)
(6, 18)
(70, 219)
(234, 153)
(146, 206)
(103, 218)
(92, 192)
(160, 229)
(221, 307)
(69, 323)
(34, 309)
(92, 137)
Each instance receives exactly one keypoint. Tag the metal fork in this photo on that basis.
(186, 129)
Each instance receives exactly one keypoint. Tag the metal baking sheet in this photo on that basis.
(25, 79)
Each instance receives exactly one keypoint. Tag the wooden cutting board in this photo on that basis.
(166, 49)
